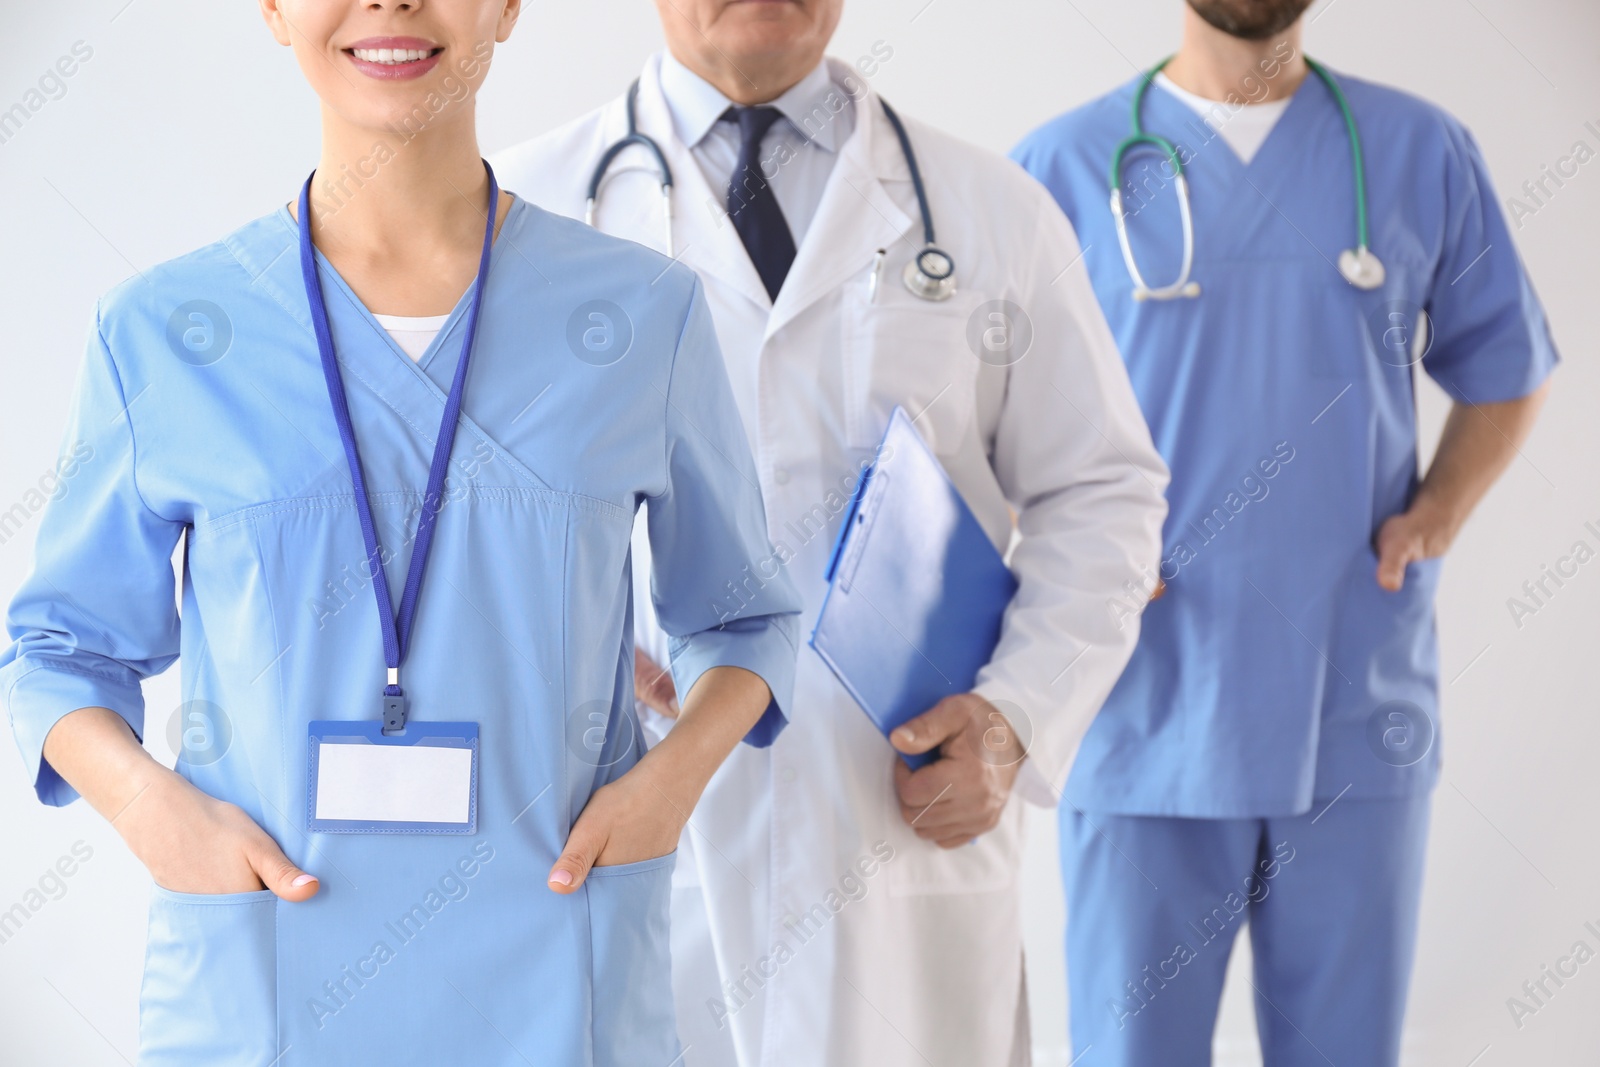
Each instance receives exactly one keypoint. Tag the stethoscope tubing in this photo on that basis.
(925, 283)
(633, 137)
(1182, 285)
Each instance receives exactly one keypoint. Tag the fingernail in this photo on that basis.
(561, 877)
(904, 736)
(304, 879)
(673, 704)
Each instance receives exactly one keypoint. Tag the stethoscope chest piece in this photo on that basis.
(931, 274)
(1361, 268)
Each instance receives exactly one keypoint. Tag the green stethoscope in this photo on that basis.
(1360, 267)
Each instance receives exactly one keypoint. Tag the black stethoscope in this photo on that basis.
(931, 272)
(634, 137)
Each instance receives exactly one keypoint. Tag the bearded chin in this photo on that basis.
(1250, 20)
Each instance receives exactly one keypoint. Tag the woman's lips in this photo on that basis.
(394, 58)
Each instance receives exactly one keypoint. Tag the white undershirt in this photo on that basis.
(413, 333)
(1243, 126)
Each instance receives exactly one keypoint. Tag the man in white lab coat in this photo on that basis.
(829, 909)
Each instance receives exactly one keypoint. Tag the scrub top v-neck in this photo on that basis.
(429, 362)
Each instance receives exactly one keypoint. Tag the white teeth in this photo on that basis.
(391, 56)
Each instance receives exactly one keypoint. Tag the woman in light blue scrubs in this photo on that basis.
(413, 820)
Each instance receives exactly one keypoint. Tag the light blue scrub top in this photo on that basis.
(419, 948)
(1283, 401)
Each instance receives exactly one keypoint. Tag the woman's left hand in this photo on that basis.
(628, 821)
(640, 816)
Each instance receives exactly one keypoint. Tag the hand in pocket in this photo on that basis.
(194, 843)
(628, 821)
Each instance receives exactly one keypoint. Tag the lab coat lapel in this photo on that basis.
(856, 217)
(369, 364)
(703, 234)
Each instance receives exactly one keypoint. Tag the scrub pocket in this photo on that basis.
(1412, 607)
(210, 980)
(629, 932)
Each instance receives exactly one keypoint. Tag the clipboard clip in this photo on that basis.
(858, 530)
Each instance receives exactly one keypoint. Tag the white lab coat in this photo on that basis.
(838, 935)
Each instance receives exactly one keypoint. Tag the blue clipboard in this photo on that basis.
(916, 590)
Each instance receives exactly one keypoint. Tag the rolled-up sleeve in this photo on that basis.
(97, 613)
(1075, 460)
(720, 591)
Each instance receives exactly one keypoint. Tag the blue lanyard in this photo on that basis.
(396, 633)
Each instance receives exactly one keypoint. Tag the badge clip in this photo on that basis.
(394, 704)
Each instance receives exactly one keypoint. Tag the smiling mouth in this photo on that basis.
(393, 57)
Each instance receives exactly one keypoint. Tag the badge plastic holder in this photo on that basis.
(389, 790)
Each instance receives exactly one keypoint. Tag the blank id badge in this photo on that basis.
(423, 780)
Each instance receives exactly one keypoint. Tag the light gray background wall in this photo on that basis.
(188, 120)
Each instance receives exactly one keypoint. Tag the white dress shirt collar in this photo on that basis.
(696, 105)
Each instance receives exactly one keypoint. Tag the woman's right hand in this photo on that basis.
(194, 843)
(189, 841)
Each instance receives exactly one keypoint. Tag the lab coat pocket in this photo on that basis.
(633, 1017)
(897, 349)
(210, 980)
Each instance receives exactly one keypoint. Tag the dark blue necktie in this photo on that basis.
(752, 204)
